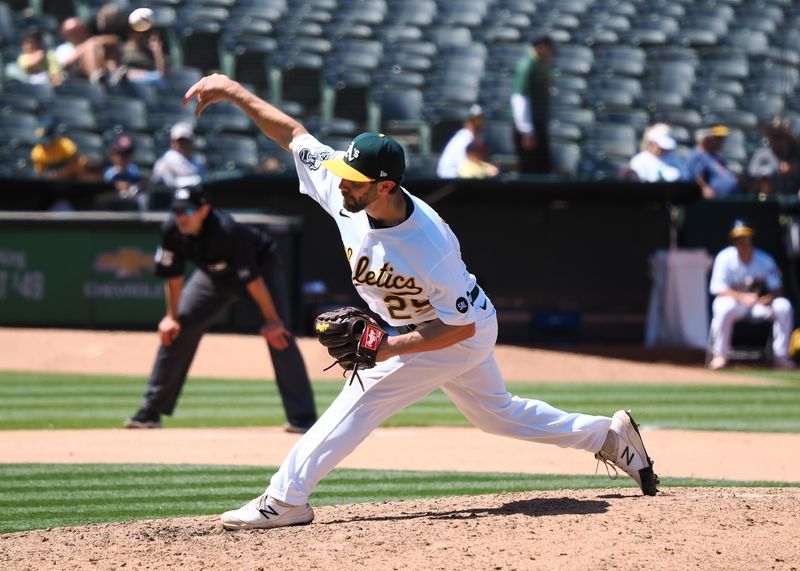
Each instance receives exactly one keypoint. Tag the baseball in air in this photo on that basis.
(141, 19)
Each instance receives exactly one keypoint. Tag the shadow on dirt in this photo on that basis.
(532, 507)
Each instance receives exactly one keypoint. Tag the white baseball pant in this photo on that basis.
(727, 311)
(468, 375)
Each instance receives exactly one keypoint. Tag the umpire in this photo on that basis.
(233, 260)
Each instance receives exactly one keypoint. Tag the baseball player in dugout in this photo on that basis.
(233, 261)
(406, 265)
(747, 284)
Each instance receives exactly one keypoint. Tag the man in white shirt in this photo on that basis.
(406, 265)
(747, 283)
(180, 162)
(655, 163)
(454, 154)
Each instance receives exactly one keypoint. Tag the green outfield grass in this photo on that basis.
(43, 400)
(37, 496)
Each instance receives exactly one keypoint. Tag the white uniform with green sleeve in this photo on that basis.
(409, 274)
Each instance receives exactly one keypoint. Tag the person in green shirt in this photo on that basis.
(530, 107)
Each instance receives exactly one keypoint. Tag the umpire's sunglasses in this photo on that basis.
(184, 211)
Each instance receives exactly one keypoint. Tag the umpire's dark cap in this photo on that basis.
(188, 197)
(370, 157)
(542, 40)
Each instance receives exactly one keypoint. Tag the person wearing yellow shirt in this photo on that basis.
(475, 166)
(55, 157)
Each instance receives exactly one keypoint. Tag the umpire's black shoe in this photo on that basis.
(143, 419)
(296, 428)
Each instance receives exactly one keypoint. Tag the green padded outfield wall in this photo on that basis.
(96, 269)
(73, 276)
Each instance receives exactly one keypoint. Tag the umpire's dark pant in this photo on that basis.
(201, 302)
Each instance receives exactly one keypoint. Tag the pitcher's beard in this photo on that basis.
(352, 204)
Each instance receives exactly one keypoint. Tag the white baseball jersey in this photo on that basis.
(407, 274)
(730, 272)
(651, 168)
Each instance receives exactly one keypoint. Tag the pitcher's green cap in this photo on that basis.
(370, 157)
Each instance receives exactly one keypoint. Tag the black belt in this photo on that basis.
(473, 295)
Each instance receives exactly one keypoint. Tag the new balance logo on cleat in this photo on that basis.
(267, 511)
(627, 455)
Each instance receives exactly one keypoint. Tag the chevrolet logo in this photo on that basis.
(125, 262)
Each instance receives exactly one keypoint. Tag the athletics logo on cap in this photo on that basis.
(370, 157)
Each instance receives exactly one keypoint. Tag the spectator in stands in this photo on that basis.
(55, 156)
(776, 169)
(475, 165)
(36, 63)
(142, 58)
(530, 107)
(123, 172)
(81, 54)
(747, 283)
(657, 162)
(455, 152)
(124, 175)
(180, 160)
(708, 168)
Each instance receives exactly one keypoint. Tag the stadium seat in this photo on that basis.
(620, 60)
(92, 92)
(414, 13)
(400, 114)
(74, 112)
(613, 140)
(123, 114)
(565, 132)
(566, 158)
(639, 119)
(18, 119)
(232, 152)
(199, 30)
(297, 77)
(446, 36)
(574, 59)
(224, 117)
(6, 23)
(12, 102)
(90, 145)
(247, 58)
(41, 92)
(346, 94)
(580, 116)
(736, 118)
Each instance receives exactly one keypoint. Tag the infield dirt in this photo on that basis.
(596, 529)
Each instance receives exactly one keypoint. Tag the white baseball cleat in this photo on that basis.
(264, 512)
(629, 453)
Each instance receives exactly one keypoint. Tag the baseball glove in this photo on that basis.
(351, 337)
